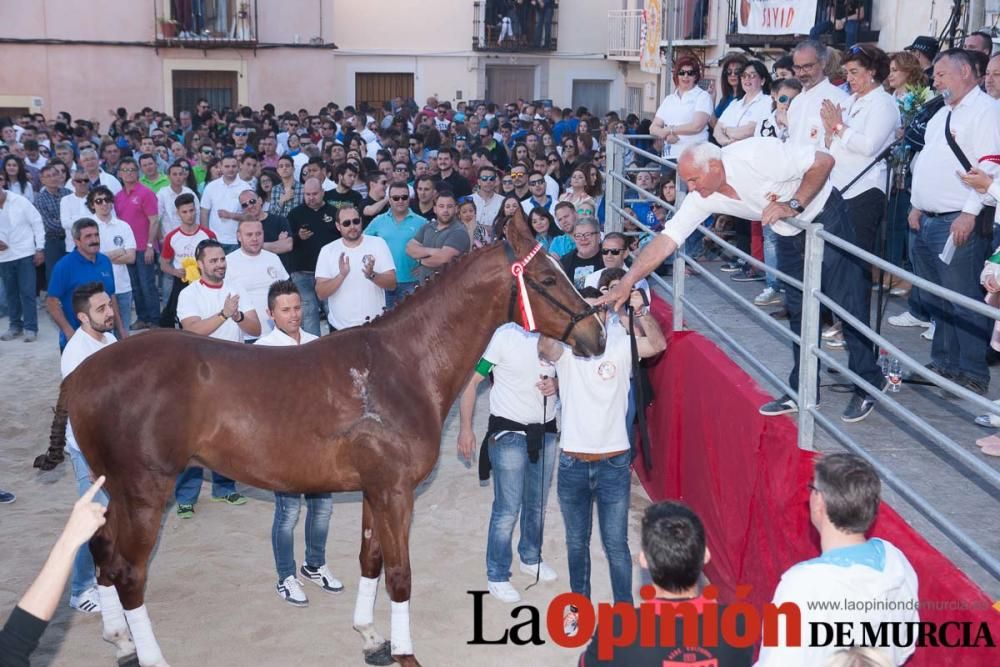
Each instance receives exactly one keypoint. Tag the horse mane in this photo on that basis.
(444, 276)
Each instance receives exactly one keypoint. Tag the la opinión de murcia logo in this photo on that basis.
(758, 625)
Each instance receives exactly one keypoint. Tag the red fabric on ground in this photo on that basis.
(757, 240)
(745, 476)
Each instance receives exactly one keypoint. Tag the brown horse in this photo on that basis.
(378, 397)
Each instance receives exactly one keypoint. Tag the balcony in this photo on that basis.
(514, 33)
(834, 38)
(683, 23)
(221, 24)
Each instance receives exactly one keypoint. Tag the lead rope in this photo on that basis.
(541, 502)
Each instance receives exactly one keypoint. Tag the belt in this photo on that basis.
(591, 458)
(931, 214)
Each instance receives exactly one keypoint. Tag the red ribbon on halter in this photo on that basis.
(517, 270)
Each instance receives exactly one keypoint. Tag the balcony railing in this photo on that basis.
(526, 30)
(218, 25)
(833, 37)
(624, 34)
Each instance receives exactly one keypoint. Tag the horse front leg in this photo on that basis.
(376, 649)
(393, 512)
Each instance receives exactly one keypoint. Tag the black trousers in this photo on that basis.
(844, 281)
(168, 316)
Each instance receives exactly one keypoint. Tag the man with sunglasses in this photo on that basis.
(486, 199)
(353, 273)
(537, 197)
(396, 227)
(614, 252)
(805, 125)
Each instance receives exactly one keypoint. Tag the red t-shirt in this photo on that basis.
(177, 245)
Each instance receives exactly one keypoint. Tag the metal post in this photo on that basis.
(679, 270)
(614, 192)
(812, 277)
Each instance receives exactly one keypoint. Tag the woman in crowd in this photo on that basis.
(856, 133)
(17, 177)
(683, 116)
(579, 187)
(520, 153)
(506, 184)
(544, 226)
(782, 94)
(189, 178)
(511, 205)
(286, 192)
(265, 186)
(729, 83)
(467, 215)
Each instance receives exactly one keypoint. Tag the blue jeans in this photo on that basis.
(771, 257)
(543, 24)
(961, 337)
(125, 307)
(166, 285)
(306, 282)
(319, 507)
(187, 488)
(147, 301)
(608, 484)
(84, 576)
(394, 296)
(519, 486)
(55, 249)
(844, 280)
(19, 281)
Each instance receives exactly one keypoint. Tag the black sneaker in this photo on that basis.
(6, 497)
(731, 267)
(782, 405)
(748, 276)
(975, 386)
(860, 406)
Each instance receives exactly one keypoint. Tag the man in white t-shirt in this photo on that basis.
(805, 125)
(167, 196)
(73, 206)
(253, 268)
(284, 306)
(92, 306)
(353, 273)
(594, 464)
(519, 448)
(179, 245)
(844, 497)
(211, 307)
(487, 201)
(220, 203)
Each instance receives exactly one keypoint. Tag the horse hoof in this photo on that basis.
(406, 660)
(381, 655)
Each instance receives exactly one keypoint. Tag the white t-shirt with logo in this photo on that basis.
(255, 275)
(118, 235)
(358, 299)
(202, 300)
(220, 196)
(513, 356)
(594, 397)
(80, 346)
(178, 245)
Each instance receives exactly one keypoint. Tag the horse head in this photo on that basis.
(544, 298)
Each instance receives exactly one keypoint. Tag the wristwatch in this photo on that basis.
(149, 246)
(241, 317)
(796, 205)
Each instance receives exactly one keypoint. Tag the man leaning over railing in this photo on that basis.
(767, 180)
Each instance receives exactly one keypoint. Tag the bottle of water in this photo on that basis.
(883, 361)
(895, 374)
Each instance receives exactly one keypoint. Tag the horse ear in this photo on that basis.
(519, 233)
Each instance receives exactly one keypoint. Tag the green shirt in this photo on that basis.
(157, 184)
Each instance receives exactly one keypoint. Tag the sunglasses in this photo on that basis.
(208, 151)
(783, 99)
(517, 174)
(399, 169)
(399, 198)
(248, 203)
(488, 178)
(612, 251)
(350, 223)
(81, 180)
(101, 200)
(686, 72)
(239, 134)
(537, 181)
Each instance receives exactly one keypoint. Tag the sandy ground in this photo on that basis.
(211, 588)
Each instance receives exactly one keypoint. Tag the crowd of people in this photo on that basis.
(254, 226)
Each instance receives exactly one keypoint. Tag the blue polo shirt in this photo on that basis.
(397, 235)
(72, 271)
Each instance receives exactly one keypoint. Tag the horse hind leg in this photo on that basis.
(115, 627)
(377, 650)
(137, 525)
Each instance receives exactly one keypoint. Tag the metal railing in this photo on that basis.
(237, 26)
(487, 29)
(620, 192)
(625, 33)
(687, 20)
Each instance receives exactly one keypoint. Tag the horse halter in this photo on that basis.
(519, 293)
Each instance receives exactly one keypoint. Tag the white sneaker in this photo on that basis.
(503, 591)
(831, 331)
(929, 334)
(769, 297)
(290, 590)
(322, 577)
(906, 319)
(543, 570)
(88, 601)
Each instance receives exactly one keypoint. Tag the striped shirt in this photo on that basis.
(48, 205)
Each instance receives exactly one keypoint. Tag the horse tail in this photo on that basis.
(57, 436)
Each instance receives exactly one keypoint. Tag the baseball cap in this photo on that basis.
(459, 117)
(925, 45)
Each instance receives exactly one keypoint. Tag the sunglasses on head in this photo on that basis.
(248, 203)
(350, 222)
